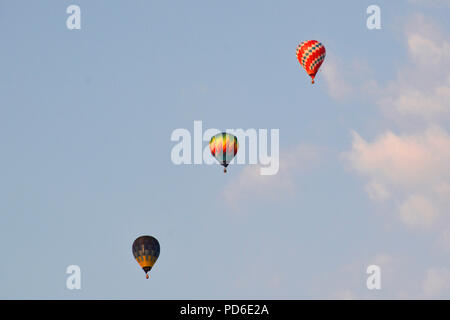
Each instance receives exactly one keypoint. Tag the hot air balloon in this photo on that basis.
(311, 54)
(224, 147)
(146, 252)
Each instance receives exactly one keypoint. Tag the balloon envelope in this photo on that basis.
(311, 55)
(224, 147)
(146, 252)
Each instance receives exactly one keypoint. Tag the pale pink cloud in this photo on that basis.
(377, 191)
(401, 278)
(418, 212)
(431, 2)
(337, 87)
(346, 80)
(420, 89)
(436, 282)
(403, 160)
(251, 184)
(411, 172)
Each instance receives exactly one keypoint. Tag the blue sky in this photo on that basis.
(85, 123)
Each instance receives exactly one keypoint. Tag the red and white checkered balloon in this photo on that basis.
(311, 55)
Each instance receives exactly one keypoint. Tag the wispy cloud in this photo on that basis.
(431, 2)
(405, 161)
(412, 171)
(407, 169)
(436, 282)
(251, 184)
(400, 279)
(419, 93)
(421, 89)
(349, 282)
(345, 80)
(338, 88)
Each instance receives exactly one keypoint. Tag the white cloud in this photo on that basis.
(403, 160)
(412, 171)
(444, 239)
(418, 212)
(337, 87)
(349, 282)
(421, 89)
(427, 103)
(383, 260)
(250, 183)
(443, 191)
(377, 191)
(345, 80)
(344, 294)
(431, 2)
(407, 172)
(436, 282)
(401, 278)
